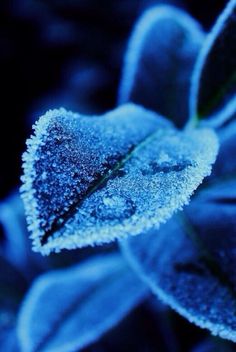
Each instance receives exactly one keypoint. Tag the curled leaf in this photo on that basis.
(66, 310)
(89, 180)
(214, 79)
(159, 60)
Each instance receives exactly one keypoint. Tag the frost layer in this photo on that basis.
(89, 180)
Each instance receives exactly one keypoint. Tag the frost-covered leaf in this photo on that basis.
(89, 180)
(191, 261)
(159, 61)
(214, 79)
(68, 309)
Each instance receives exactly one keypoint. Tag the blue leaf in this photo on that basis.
(10, 278)
(68, 309)
(9, 342)
(12, 289)
(214, 78)
(89, 180)
(191, 262)
(159, 61)
(14, 232)
(225, 165)
(15, 244)
(212, 344)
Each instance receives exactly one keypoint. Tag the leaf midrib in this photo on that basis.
(56, 225)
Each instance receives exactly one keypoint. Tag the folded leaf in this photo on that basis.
(191, 262)
(89, 180)
(159, 61)
(214, 79)
(68, 309)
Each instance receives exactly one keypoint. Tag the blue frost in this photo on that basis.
(159, 60)
(66, 310)
(89, 180)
